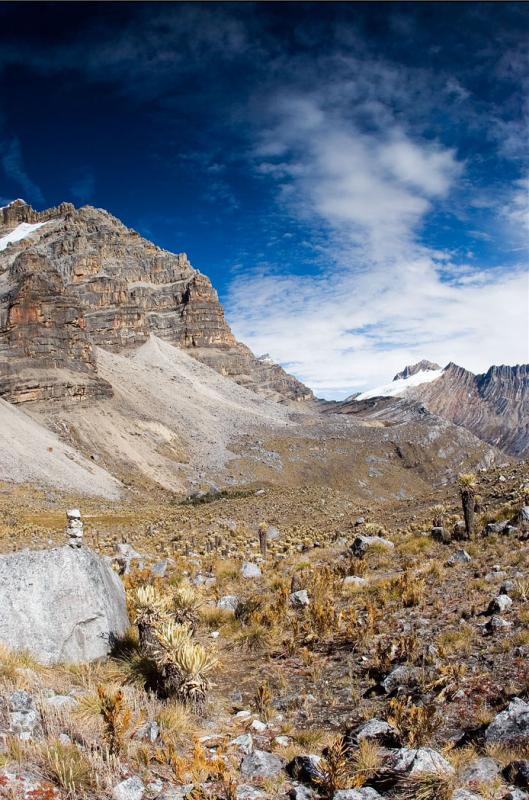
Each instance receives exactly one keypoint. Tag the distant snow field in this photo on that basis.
(395, 388)
(20, 232)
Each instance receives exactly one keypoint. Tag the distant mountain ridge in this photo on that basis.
(493, 405)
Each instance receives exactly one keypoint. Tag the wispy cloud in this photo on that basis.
(14, 169)
(382, 298)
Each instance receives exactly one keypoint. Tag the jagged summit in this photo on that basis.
(420, 366)
(111, 288)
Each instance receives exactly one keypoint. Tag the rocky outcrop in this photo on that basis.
(413, 369)
(61, 605)
(45, 351)
(117, 288)
(493, 405)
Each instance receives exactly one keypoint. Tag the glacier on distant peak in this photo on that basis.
(400, 386)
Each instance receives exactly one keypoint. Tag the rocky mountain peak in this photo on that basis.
(421, 366)
(114, 289)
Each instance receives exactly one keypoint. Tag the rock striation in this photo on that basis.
(61, 605)
(81, 279)
(493, 405)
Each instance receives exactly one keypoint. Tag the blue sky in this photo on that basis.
(352, 177)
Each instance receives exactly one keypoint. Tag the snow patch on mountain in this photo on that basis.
(400, 386)
(20, 232)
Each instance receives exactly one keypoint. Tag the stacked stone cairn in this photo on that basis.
(74, 528)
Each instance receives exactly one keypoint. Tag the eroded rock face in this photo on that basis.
(86, 279)
(45, 351)
(493, 405)
(61, 605)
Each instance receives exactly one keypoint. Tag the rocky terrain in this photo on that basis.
(254, 594)
(493, 405)
(283, 644)
(115, 355)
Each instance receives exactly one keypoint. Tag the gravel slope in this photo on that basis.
(31, 453)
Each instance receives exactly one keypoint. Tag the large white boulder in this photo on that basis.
(61, 605)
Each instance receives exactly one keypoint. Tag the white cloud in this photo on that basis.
(383, 300)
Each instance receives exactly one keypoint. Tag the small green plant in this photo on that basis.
(66, 766)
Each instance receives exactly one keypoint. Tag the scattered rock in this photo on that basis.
(60, 701)
(300, 598)
(149, 731)
(261, 764)
(362, 544)
(521, 517)
(366, 793)
(125, 554)
(399, 677)
(376, 730)
(229, 602)
(24, 719)
(441, 535)
(250, 570)
(459, 557)
(459, 531)
(159, 569)
(481, 770)
(415, 761)
(244, 743)
(34, 612)
(247, 792)
(517, 772)
(130, 789)
(301, 793)
(305, 769)
(511, 725)
(272, 533)
(355, 580)
(495, 527)
(499, 605)
(497, 625)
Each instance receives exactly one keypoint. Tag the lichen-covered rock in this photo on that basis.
(479, 771)
(25, 722)
(61, 605)
(511, 725)
(260, 764)
(362, 544)
(416, 761)
(130, 789)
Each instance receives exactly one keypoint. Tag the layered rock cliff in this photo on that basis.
(74, 278)
(493, 405)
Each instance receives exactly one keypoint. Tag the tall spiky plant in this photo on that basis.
(467, 489)
(185, 606)
(152, 611)
(184, 665)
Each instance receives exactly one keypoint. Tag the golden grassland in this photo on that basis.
(310, 673)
